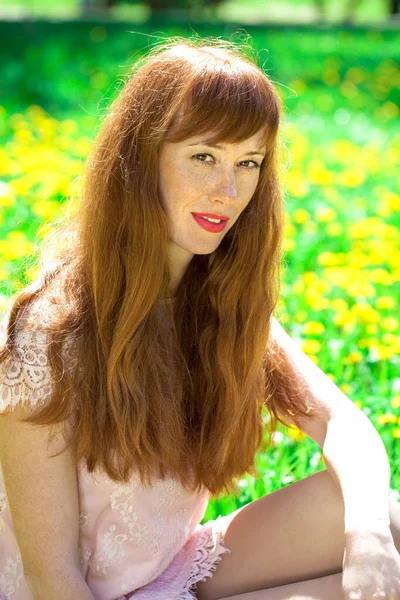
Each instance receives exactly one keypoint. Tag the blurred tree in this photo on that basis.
(394, 7)
(351, 7)
(165, 5)
(90, 6)
(93, 6)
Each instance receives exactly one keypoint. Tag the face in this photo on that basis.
(196, 177)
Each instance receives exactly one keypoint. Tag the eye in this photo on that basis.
(195, 157)
(256, 164)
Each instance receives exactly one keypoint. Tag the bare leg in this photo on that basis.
(323, 588)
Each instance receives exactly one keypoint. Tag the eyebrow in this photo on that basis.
(220, 147)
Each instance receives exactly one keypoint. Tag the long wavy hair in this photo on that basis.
(189, 391)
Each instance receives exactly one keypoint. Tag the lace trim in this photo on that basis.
(25, 375)
(179, 579)
(208, 555)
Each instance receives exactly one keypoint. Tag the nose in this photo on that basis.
(226, 187)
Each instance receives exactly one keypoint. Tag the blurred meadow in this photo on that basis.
(339, 169)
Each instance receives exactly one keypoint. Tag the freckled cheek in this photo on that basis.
(180, 197)
(187, 189)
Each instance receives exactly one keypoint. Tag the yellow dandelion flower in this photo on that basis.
(393, 200)
(353, 357)
(390, 324)
(314, 358)
(385, 302)
(340, 318)
(339, 304)
(385, 352)
(300, 215)
(386, 418)
(361, 288)
(321, 285)
(317, 303)
(24, 136)
(358, 403)
(310, 346)
(381, 276)
(15, 249)
(365, 313)
(388, 201)
(308, 276)
(328, 259)
(46, 209)
(396, 433)
(395, 401)
(351, 178)
(358, 260)
(318, 174)
(344, 148)
(362, 229)
(313, 327)
(372, 328)
(345, 387)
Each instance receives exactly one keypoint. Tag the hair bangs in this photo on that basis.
(230, 105)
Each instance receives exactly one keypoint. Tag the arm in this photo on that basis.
(63, 586)
(353, 451)
(356, 459)
(42, 495)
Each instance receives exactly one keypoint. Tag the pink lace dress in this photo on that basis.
(135, 542)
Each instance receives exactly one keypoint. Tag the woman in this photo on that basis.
(149, 346)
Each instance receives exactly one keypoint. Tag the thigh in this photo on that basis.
(293, 534)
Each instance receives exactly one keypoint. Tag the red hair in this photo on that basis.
(187, 400)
